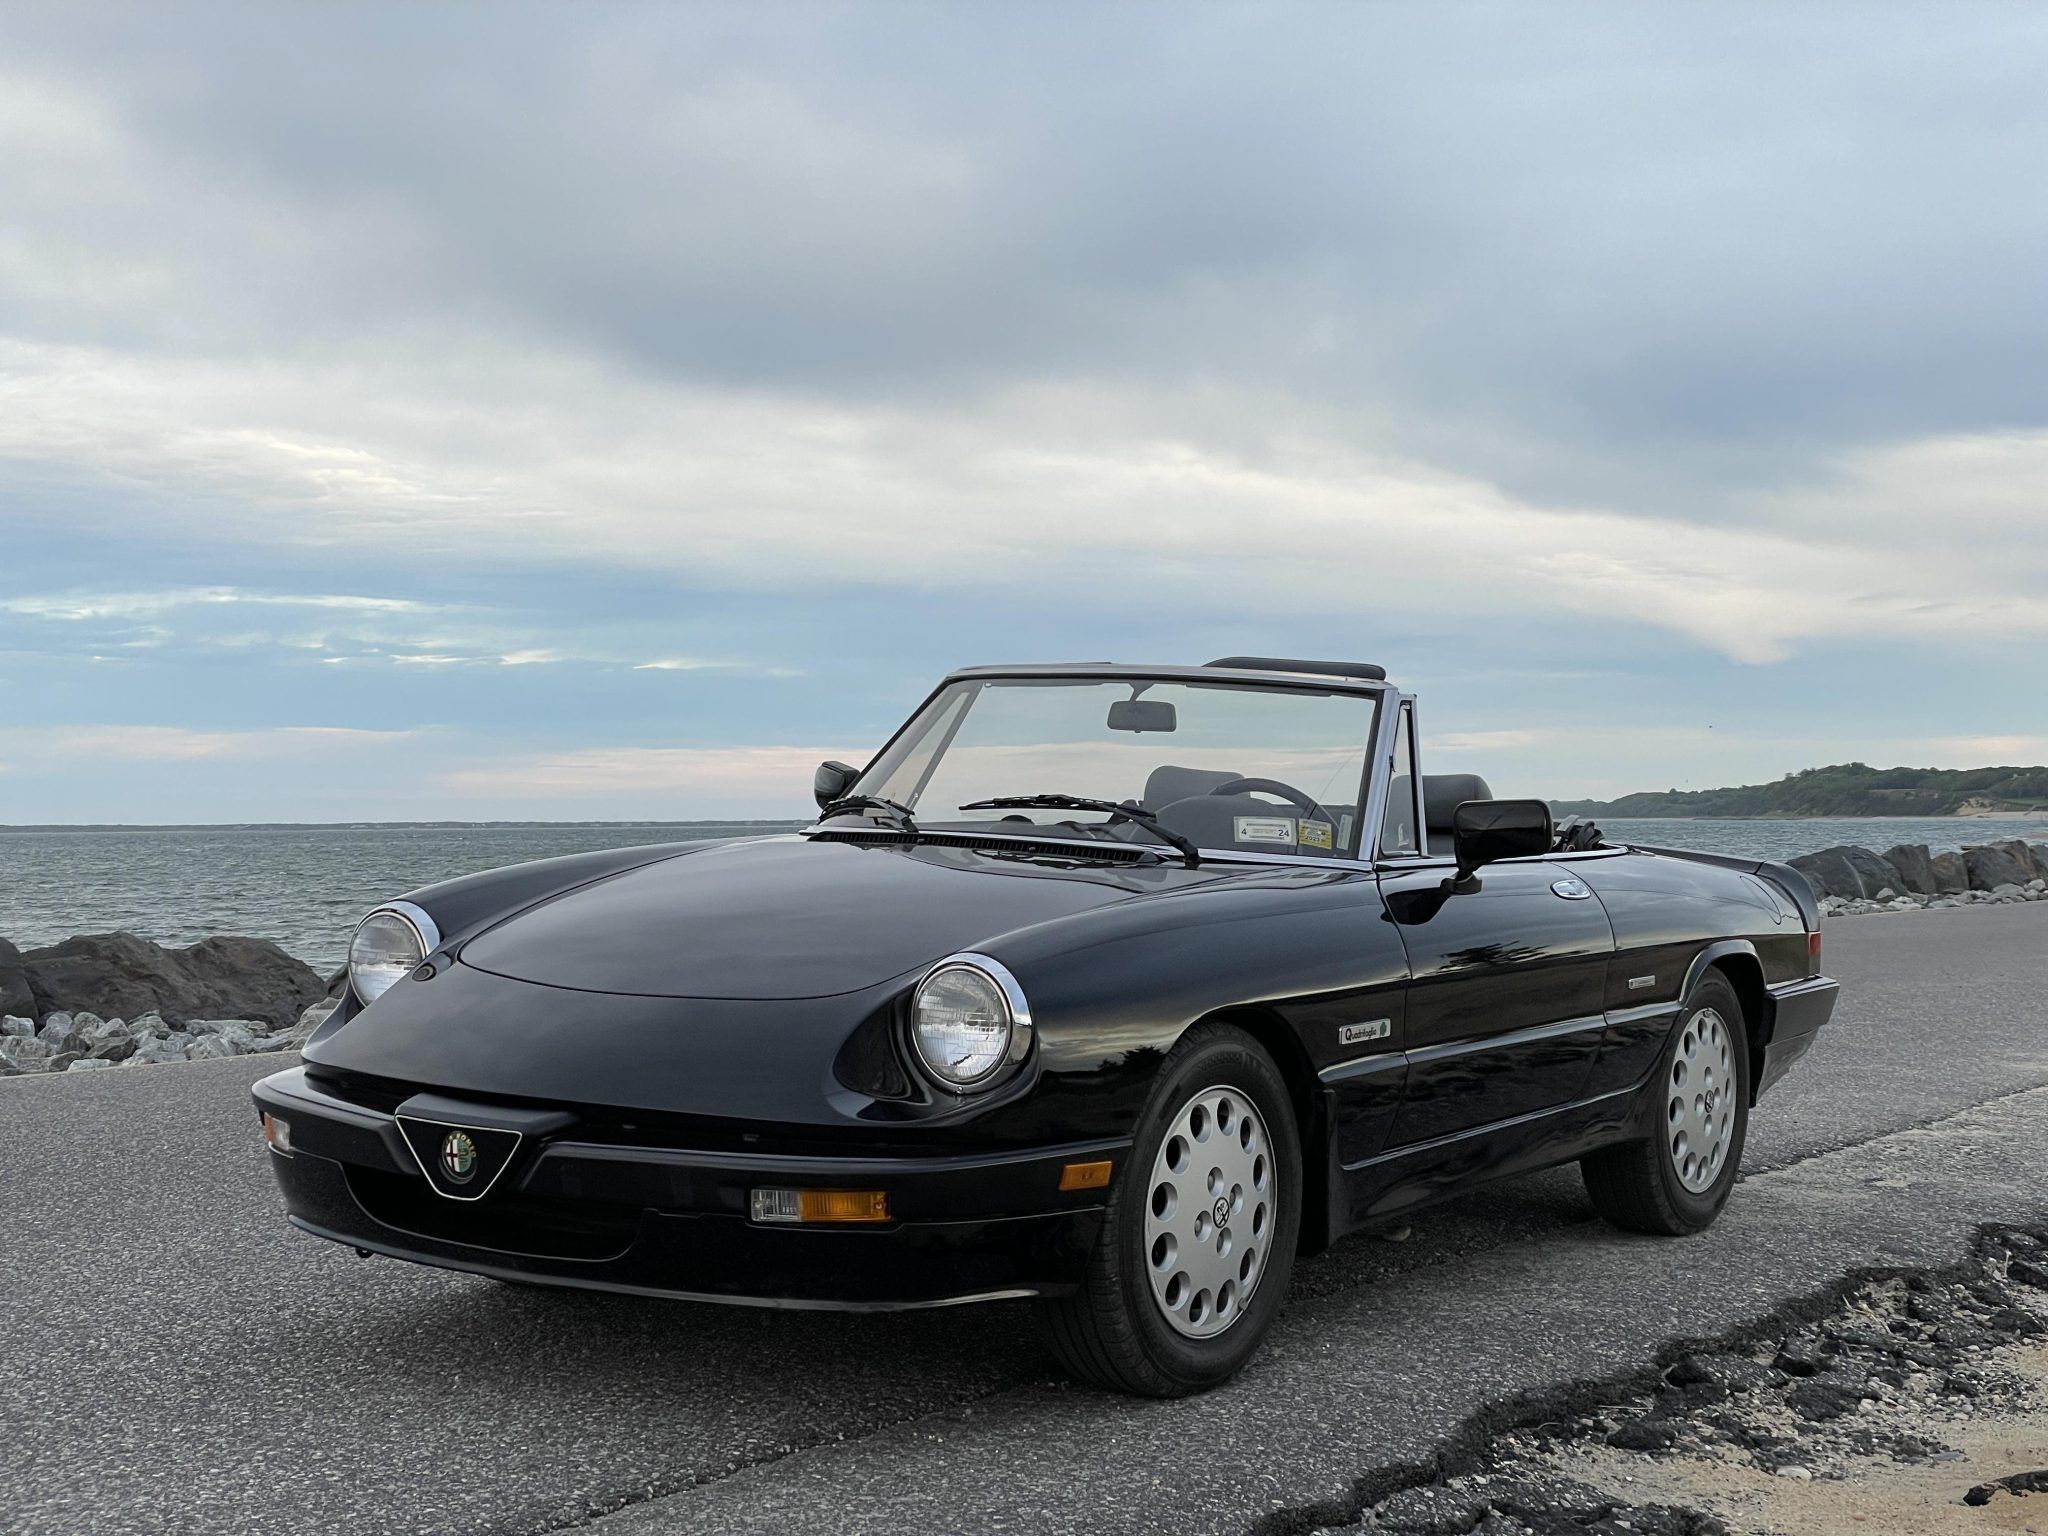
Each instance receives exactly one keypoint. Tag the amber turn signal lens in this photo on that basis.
(1085, 1176)
(842, 1205)
(820, 1205)
(278, 1133)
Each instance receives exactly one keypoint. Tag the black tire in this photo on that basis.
(1112, 1332)
(1637, 1185)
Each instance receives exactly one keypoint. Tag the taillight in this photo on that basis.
(1813, 953)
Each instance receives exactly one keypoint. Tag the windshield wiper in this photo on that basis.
(875, 803)
(1129, 811)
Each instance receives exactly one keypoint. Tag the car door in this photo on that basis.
(1506, 993)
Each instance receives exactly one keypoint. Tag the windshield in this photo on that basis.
(1225, 766)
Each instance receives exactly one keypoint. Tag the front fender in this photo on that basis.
(467, 904)
(1123, 983)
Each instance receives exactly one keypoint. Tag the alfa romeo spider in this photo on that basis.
(1116, 988)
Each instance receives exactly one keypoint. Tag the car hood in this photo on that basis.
(790, 917)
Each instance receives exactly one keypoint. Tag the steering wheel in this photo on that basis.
(1286, 792)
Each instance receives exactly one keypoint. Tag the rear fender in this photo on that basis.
(1737, 959)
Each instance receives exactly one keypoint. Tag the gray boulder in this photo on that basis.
(24, 1053)
(1845, 871)
(108, 1040)
(241, 1035)
(86, 1063)
(1828, 875)
(223, 1027)
(1913, 866)
(219, 978)
(61, 1031)
(211, 1048)
(1992, 867)
(113, 1049)
(2032, 858)
(11, 1024)
(1951, 874)
(154, 1049)
(16, 995)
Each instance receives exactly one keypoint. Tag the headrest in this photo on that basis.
(1168, 783)
(1443, 793)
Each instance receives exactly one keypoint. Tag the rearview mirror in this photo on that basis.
(1142, 715)
(1485, 830)
(831, 781)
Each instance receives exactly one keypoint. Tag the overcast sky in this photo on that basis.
(608, 411)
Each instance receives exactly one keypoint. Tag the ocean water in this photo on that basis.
(305, 886)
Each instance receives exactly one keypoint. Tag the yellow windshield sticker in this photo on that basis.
(1316, 834)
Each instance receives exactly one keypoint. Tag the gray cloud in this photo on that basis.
(1685, 226)
(688, 284)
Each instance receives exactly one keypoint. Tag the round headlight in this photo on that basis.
(386, 946)
(967, 1019)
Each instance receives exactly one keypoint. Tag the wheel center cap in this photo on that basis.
(1221, 1210)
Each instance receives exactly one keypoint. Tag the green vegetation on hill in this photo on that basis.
(1845, 789)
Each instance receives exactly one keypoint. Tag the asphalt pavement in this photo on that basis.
(177, 1359)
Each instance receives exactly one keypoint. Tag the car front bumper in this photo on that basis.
(672, 1221)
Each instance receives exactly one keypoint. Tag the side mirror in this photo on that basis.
(831, 781)
(1485, 830)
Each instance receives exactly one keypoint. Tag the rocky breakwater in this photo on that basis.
(1908, 877)
(112, 999)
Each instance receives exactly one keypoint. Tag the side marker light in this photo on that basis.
(1085, 1176)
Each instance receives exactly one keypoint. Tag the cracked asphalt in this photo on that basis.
(179, 1360)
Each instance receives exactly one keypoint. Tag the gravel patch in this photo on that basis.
(1877, 1405)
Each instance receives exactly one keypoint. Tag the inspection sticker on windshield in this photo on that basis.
(1315, 834)
(1265, 829)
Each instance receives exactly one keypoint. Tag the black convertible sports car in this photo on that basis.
(1116, 987)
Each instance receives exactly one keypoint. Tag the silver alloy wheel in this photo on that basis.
(1700, 1113)
(1210, 1211)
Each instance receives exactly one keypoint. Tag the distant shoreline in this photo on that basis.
(2032, 815)
(1842, 790)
